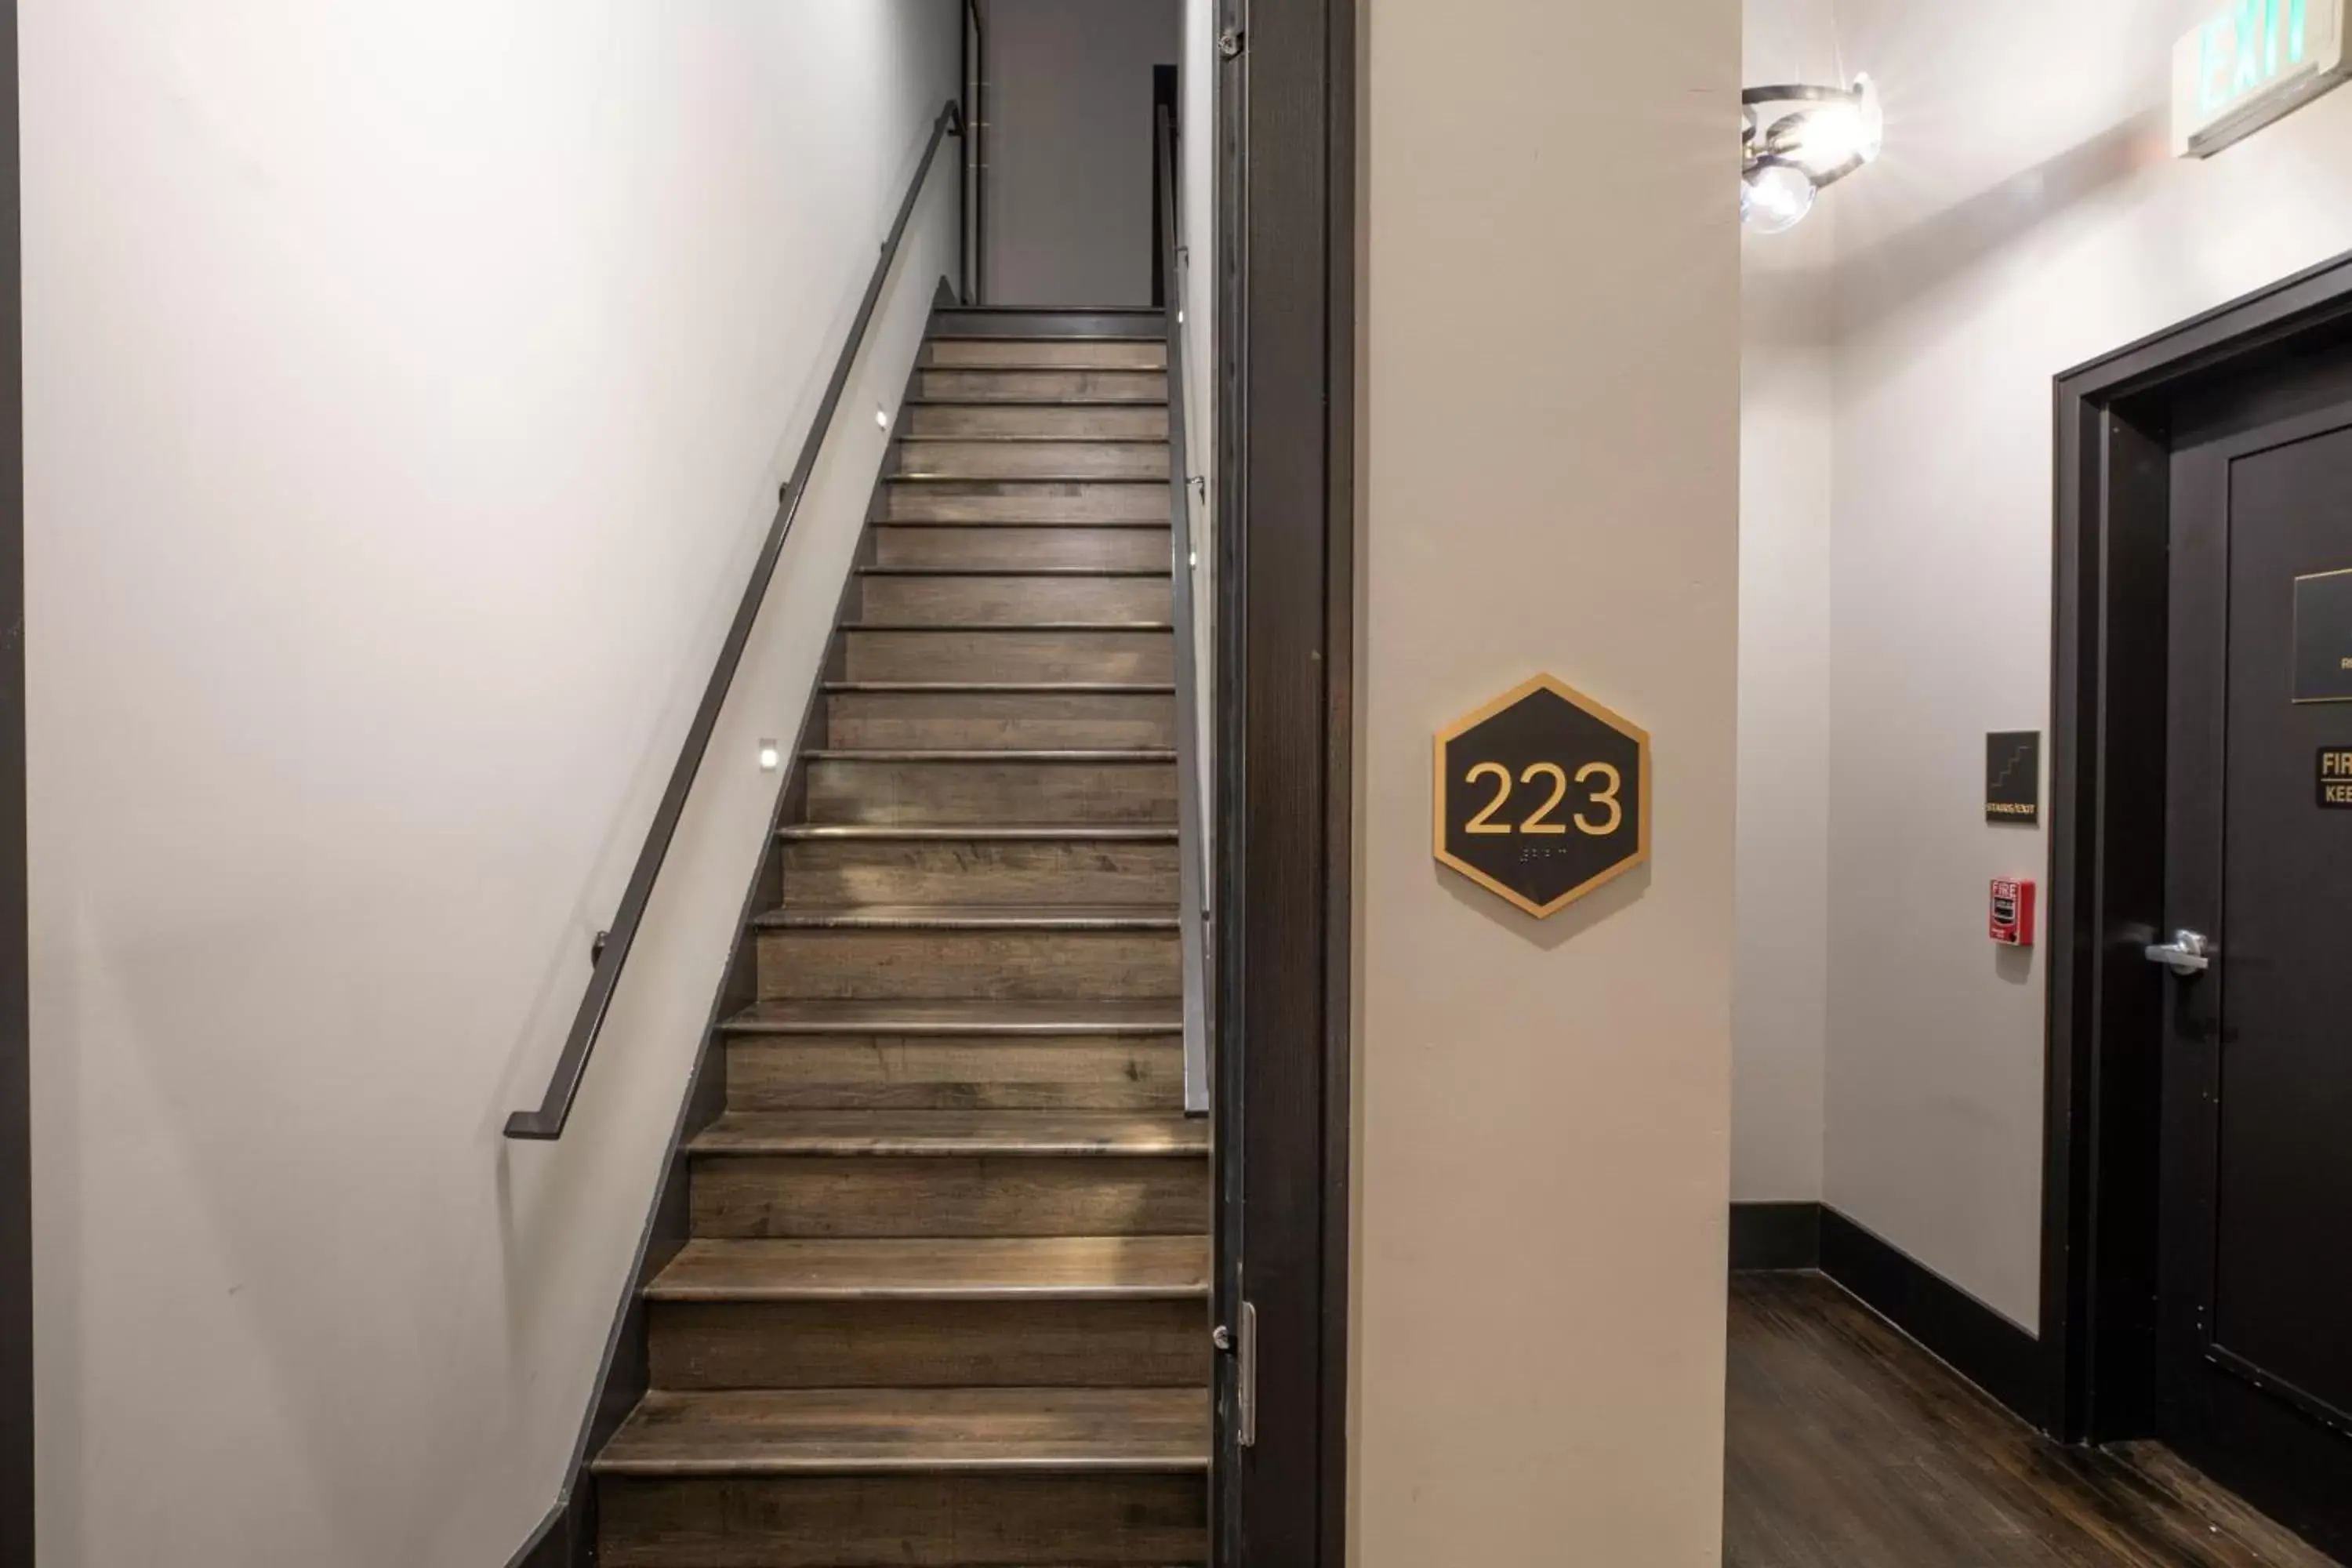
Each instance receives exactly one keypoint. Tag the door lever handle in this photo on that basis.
(2188, 953)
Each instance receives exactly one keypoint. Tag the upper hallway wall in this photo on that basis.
(2026, 217)
(1070, 147)
(1781, 993)
(1781, 989)
(406, 392)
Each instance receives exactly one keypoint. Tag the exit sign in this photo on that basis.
(2250, 63)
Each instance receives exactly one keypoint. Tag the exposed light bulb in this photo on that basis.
(1775, 196)
(772, 756)
(881, 418)
(1829, 137)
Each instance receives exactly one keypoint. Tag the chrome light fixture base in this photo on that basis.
(1819, 135)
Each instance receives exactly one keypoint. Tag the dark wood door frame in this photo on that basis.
(2109, 693)
(1286, 597)
(15, 962)
(16, 1025)
(972, 91)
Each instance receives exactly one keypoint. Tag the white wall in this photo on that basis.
(1780, 990)
(406, 389)
(2025, 217)
(1069, 147)
(1781, 995)
(1542, 1136)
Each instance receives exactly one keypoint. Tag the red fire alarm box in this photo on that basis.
(2012, 914)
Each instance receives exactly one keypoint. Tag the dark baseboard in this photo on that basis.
(1976, 1342)
(1775, 1236)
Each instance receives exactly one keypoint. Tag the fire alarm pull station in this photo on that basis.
(2012, 914)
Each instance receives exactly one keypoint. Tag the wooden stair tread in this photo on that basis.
(973, 1269)
(1005, 340)
(953, 1134)
(968, 917)
(1057, 438)
(1024, 523)
(1007, 627)
(1001, 687)
(1003, 368)
(863, 833)
(1150, 1015)
(1018, 483)
(884, 1430)
(1135, 326)
(996, 572)
(1086, 403)
(1162, 754)
(1140, 336)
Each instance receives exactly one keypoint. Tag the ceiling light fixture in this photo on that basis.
(1832, 132)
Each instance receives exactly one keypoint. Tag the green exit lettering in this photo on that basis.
(2247, 48)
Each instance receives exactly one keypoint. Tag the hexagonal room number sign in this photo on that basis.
(1543, 795)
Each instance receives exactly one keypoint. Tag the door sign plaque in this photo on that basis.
(2322, 637)
(2013, 776)
(1543, 795)
(2335, 777)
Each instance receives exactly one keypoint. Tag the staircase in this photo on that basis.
(945, 1299)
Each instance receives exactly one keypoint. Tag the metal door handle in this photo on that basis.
(2189, 952)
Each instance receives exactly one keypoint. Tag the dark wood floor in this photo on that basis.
(1852, 1448)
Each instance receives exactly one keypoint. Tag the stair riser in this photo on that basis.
(1027, 322)
(1009, 793)
(1010, 873)
(904, 1521)
(1028, 461)
(902, 720)
(844, 1195)
(996, 965)
(1003, 549)
(1011, 655)
(1142, 353)
(1095, 422)
(1033, 502)
(1015, 601)
(1113, 386)
(930, 1344)
(926, 1072)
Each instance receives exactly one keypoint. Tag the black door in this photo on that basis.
(2254, 1314)
(1164, 99)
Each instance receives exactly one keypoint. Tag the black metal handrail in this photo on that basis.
(1193, 848)
(554, 1108)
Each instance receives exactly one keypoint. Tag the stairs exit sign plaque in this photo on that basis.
(1543, 795)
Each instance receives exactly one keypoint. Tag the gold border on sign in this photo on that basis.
(2295, 634)
(1479, 715)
